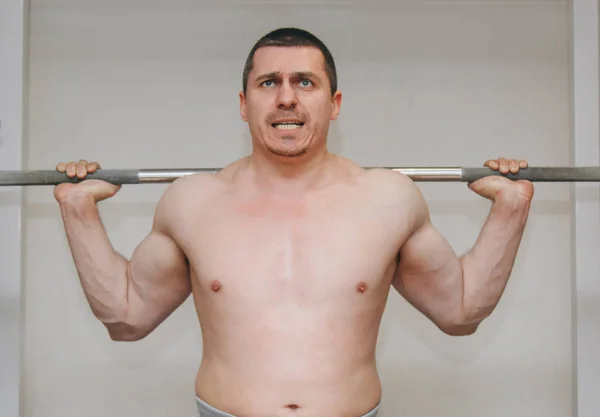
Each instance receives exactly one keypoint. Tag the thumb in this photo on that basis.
(488, 187)
(101, 190)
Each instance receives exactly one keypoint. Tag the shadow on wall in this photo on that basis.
(415, 392)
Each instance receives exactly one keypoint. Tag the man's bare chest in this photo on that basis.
(335, 245)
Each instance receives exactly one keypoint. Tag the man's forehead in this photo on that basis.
(288, 59)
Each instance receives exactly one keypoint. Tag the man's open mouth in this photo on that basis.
(287, 125)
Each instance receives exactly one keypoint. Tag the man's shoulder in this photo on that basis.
(381, 183)
(201, 187)
(189, 193)
(393, 189)
(389, 181)
(183, 200)
(193, 186)
(380, 177)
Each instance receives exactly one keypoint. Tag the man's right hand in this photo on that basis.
(98, 190)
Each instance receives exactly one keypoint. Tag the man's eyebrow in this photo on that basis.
(273, 74)
(306, 74)
(297, 74)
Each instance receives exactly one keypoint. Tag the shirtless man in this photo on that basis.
(290, 253)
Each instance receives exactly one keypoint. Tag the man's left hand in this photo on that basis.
(494, 186)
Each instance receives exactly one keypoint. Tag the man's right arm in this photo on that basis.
(130, 297)
(458, 292)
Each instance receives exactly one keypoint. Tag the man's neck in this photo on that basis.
(289, 174)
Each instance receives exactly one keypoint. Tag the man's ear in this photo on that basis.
(337, 105)
(243, 106)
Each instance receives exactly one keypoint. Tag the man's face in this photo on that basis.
(288, 103)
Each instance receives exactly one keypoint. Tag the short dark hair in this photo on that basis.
(292, 37)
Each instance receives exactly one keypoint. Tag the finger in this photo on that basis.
(504, 165)
(93, 167)
(81, 162)
(81, 169)
(514, 166)
(523, 163)
(71, 169)
(492, 164)
(61, 167)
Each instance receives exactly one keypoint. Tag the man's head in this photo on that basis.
(292, 37)
(289, 93)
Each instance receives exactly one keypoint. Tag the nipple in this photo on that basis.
(361, 287)
(215, 286)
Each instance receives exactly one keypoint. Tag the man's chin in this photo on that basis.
(292, 148)
(288, 153)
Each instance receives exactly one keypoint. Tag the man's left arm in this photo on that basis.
(458, 293)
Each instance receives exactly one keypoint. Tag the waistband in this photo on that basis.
(207, 410)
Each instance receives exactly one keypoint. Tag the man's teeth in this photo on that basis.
(287, 126)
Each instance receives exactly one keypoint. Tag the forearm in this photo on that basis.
(102, 271)
(488, 265)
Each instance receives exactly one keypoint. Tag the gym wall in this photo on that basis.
(136, 84)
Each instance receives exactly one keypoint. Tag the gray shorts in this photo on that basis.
(206, 410)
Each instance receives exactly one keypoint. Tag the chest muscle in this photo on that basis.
(306, 251)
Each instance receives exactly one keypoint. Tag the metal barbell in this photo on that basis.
(443, 174)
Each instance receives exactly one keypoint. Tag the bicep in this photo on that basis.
(426, 254)
(428, 274)
(158, 271)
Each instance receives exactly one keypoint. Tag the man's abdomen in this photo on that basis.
(284, 361)
(261, 387)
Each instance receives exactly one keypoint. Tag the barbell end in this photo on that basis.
(537, 174)
(53, 177)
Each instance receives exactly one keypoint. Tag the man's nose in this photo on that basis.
(286, 97)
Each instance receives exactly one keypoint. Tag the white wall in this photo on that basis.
(156, 86)
(586, 135)
(13, 33)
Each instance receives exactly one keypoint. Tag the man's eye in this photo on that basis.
(305, 83)
(268, 83)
